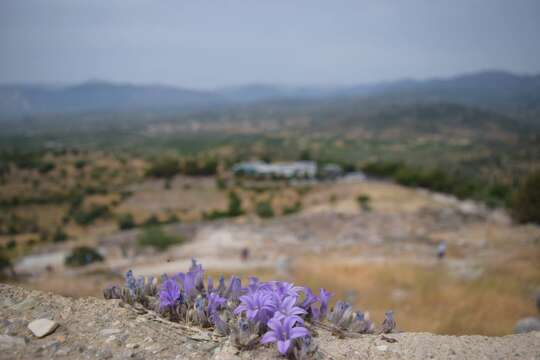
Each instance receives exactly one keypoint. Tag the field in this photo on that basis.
(150, 191)
(379, 258)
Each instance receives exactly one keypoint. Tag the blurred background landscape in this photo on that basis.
(387, 152)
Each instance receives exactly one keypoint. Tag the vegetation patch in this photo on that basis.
(155, 237)
(82, 256)
(526, 201)
(264, 209)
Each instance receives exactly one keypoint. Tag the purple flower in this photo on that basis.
(340, 314)
(324, 298)
(131, 283)
(389, 323)
(221, 326)
(188, 284)
(221, 287)
(199, 305)
(283, 288)
(257, 306)
(195, 267)
(309, 299)
(315, 312)
(215, 302)
(210, 285)
(169, 294)
(283, 331)
(286, 308)
(235, 289)
(255, 285)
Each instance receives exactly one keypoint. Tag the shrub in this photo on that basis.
(75, 200)
(124, 194)
(364, 202)
(526, 200)
(215, 215)
(264, 209)
(288, 210)
(87, 217)
(79, 164)
(155, 237)
(164, 168)
(46, 167)
(382, 168)
(5, 263)
(235, 205)
(205, 167)
(440, 181)
(152, 220)
(234, 209)
(221, 184)
(172, 218)
(83, 255)
(59, 235)
(126, 222)
(4, 168)
(11, 244)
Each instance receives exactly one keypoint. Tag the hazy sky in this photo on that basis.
(201, 43)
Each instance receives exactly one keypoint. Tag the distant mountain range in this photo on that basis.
(511, 94)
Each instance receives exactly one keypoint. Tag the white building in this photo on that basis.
(298, 169)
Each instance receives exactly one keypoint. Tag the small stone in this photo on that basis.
(107, 332)
(42, 327)
(8, 342)
(61, 338)
(382, 347)
(132, 346)
(63, 352)
(113, 340)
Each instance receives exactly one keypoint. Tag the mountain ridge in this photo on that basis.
(505, 92)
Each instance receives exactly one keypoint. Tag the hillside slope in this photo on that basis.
(94, 328)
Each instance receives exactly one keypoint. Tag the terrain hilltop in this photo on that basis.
(91, 328)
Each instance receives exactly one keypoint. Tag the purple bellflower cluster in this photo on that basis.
(260, 313)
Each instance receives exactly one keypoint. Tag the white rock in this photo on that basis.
(42, 327)
(382, 347)
(107, 332)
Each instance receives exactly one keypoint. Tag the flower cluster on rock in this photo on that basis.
(260, 313)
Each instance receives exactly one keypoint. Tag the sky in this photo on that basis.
(217, 43)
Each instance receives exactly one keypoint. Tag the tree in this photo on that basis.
(83, 255)
(235, 205)
(526, 200)
(126, 222)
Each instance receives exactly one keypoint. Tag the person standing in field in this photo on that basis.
(441, 250)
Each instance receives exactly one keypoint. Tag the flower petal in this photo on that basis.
(298, 332)
(270, 336)
(283, 346)
(274, 324)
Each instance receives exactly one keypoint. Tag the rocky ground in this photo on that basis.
(91, 328)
